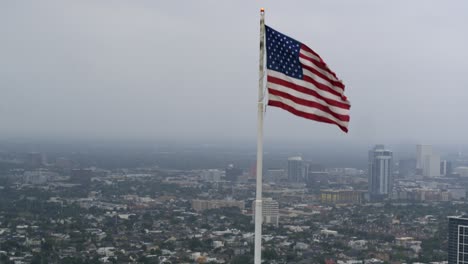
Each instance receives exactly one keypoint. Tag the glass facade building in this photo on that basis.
(458, 240)
(295, 169)
(380, 171)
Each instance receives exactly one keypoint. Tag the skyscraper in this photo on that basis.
(421, 152)
(457, 240)
(295, 169)
(427, 161)
(380, 172)
(445, 168)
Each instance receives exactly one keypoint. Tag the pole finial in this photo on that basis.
(262, 10)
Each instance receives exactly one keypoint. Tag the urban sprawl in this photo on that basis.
(395, 211)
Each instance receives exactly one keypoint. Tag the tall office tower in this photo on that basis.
(305, 171)
(421, 152)
(295, 169)
(431, 166)
(270, 210)
(445, 168)
(427, 161)
(457, 240)
(380, 172)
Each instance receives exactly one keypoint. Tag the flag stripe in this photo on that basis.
(321, 73)
(309, 83)
(307, 97)
(306, 50)
(307, 88)
(311, 104)
(305, 115)
(321, 84)
(312, 56)
(305, 109)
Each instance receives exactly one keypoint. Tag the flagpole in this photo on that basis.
(258, 200)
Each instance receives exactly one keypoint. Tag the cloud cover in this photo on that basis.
(168, 70)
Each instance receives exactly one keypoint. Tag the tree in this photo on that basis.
(269, 254)
(244, 259)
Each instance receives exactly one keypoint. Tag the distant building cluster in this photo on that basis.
(212, 175)
(148, 214)
(39, 176)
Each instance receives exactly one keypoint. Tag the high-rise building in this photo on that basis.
(421, 152)
(445, 168)
(427, 162)
(431, 166)
(305, 172)
(295, 169)
(270, 210)
(380, 172)
(457, 239)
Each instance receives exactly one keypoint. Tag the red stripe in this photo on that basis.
(326, 109)
(320, 63)
(306, 91)
(321, 75)
(306, 115)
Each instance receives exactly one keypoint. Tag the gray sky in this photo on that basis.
(189, 69)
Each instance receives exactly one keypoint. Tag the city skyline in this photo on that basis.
(172, 132)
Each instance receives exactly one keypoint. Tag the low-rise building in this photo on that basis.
(202, 205)
(341, 196)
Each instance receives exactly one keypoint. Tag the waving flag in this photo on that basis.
(300, 82)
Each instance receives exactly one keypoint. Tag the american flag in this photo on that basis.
(300, 82)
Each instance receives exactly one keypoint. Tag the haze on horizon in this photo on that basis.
(188, 70)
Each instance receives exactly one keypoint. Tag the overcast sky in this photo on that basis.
(188, 69)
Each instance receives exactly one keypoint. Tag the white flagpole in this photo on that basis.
(258, 201)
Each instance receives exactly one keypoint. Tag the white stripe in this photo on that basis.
(308, 97)
(305, 84)
(306, 109)
(322, 71)
(322, 81)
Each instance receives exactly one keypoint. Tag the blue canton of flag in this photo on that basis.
(283, 53)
